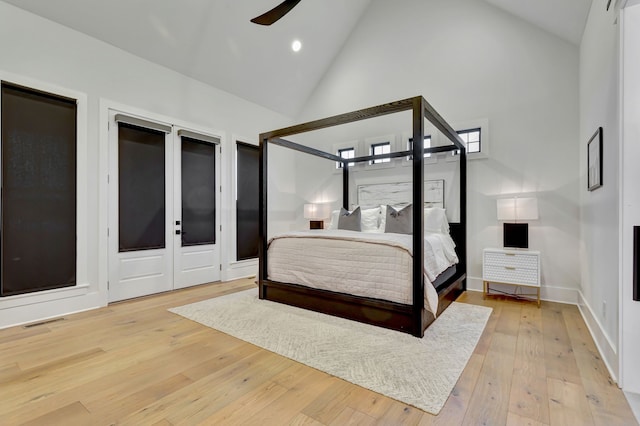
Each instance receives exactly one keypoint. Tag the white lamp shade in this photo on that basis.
(517, 209)
(506, 209)
(317, 211)
(526, 209)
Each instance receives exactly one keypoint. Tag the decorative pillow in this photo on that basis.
(399, 221)
(349, 220)
(335, 215)
(370, 220)
(435, 220)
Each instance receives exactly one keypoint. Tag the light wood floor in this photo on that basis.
(136, 363)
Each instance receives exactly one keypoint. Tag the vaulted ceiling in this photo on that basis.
(214, 42)
(564, 18)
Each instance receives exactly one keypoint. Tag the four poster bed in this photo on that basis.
(388, 279)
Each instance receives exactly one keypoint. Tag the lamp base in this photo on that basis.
(516, 235)
(316, 224)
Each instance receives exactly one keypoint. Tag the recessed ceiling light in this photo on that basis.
(296, 45)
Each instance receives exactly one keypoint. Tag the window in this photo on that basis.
(141, 196)
(378, 149)
(471, 139)
(475, 137)
(426, 144)
(39, 139)
(198, 192)
(247, 200)
(346, 153)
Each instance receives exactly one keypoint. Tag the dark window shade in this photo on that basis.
(38, 191)
(141, 186)
(247, 207)
(198, 192)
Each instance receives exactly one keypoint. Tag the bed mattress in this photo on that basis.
(375, 265)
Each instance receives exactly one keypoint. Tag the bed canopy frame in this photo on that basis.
(413, 319)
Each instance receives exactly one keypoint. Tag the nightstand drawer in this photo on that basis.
(511, 274)
(513, 260)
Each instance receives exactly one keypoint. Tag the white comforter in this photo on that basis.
(377, 265)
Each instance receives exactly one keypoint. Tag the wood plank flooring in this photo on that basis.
(135, 363)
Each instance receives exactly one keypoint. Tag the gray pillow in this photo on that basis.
(399, 221)
(349, 220)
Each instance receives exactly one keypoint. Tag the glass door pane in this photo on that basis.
(141, 200)
(198, 192)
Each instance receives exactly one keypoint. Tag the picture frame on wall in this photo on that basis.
(594, 161)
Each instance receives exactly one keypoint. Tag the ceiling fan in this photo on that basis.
(276, 13)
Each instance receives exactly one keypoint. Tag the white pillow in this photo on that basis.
(335, 217)
(370, 220)
(435, 220)
(383, 217)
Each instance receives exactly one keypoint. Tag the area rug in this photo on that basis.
(418, 372)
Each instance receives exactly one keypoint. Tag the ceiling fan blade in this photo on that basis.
(276, 13)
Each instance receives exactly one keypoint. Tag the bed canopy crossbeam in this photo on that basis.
(421, 109)
(345, 161)
(306, 149)
(372, 112)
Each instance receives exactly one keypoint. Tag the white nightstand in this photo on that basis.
(515, 267)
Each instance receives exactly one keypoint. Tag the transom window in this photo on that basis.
(426, 144)
(471, 139)
(346, 153)
(378, 149)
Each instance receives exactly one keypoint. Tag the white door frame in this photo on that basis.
(198, 273)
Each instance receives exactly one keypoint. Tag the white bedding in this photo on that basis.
(376, 265)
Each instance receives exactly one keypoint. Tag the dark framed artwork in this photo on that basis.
(636, 263)
(594, 160)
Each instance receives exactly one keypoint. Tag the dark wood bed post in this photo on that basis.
(463, 213)
(262, 225)
(435, 118)
(345, 185)
(263, 234)
(418, 220)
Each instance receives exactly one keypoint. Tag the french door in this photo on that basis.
(163, 215)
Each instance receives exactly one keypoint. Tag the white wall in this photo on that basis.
(630, 202)
(599, 209)
(34, 49)
(472, 61)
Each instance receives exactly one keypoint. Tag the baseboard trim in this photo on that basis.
(49, 309)
(242, 269)
(634, 403)
(548, 293)
(605, 346)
